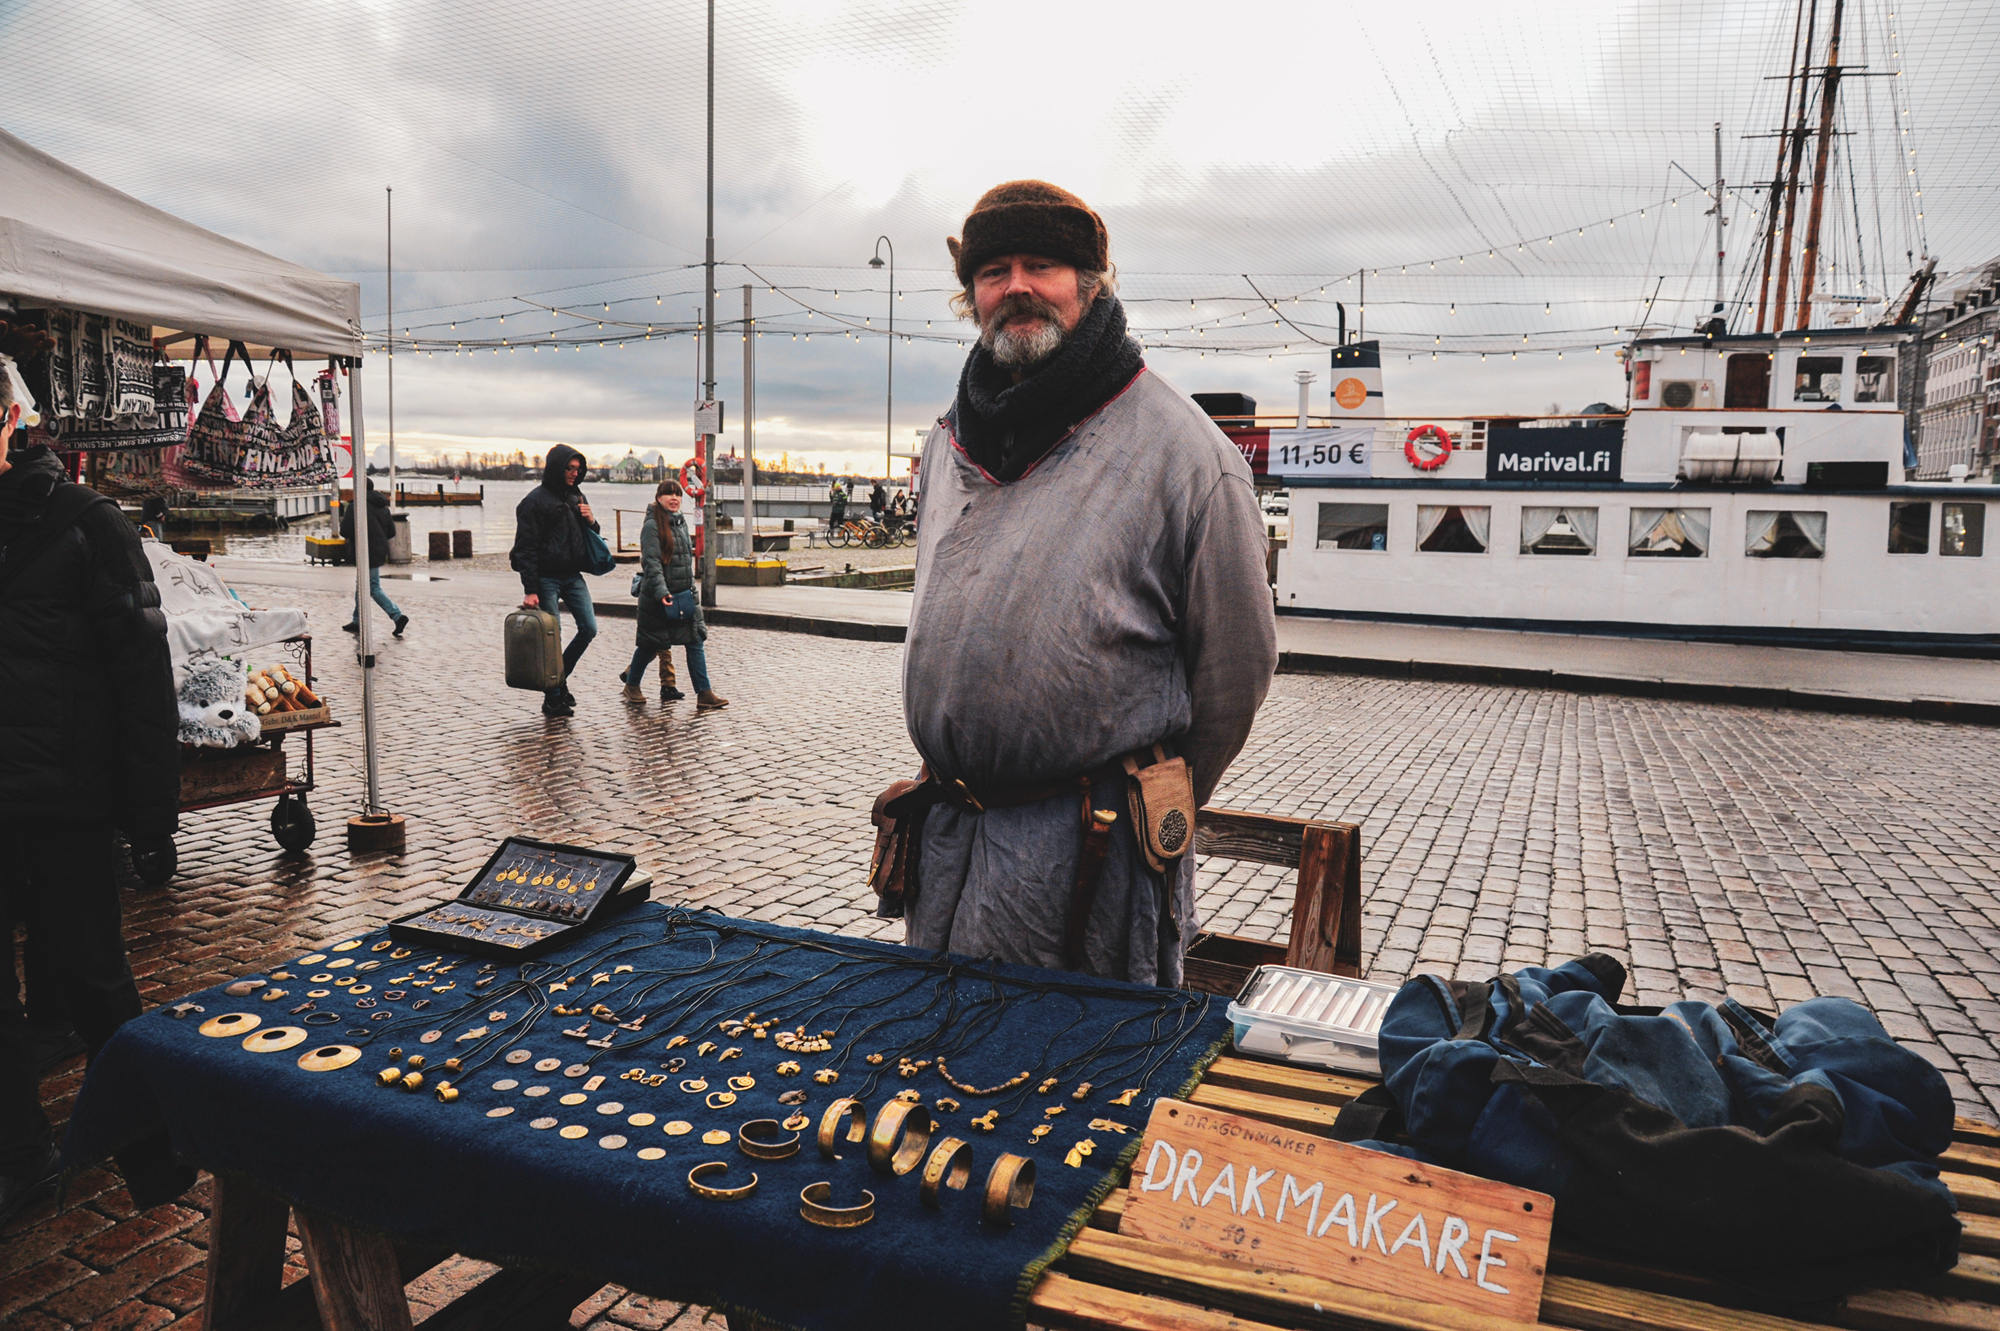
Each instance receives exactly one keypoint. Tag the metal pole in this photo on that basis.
(363, 646)
(1829, 95)
(749, 410)
(708, 328)
(889, 412)
(390, 194)
(1362, 334)
(1721, 193)
(1305, 379)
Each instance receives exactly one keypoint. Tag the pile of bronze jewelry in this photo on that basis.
(636, 1010)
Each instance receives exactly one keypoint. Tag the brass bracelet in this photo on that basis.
(756, 1139)
(902, 1132)
(950, 1166)
(813, 1207)
(1010, 1185)
(710, 1170)
(829, 1125)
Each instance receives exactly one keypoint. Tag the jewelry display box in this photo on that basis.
(529, 897)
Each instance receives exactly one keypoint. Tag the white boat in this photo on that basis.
(1753, 492)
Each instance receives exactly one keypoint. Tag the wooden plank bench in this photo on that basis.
(1326, 900)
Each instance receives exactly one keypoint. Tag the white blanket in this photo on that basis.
(203, 615)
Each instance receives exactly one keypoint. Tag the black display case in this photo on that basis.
(530, 896)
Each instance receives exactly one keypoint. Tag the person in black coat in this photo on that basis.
(89, 746)
(381, 530)
(550, 556)
(878, 499)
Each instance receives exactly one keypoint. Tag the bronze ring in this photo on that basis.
(813, 1207)
(1009, 1186)
(766, 1139)
(902, 1132)
(829, 1125)
(950, 1166)
(710, 1170)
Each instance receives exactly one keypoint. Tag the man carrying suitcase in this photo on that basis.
(549, 555)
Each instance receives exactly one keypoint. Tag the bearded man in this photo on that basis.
(1091, 607)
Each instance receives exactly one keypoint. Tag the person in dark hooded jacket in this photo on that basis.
(381, 530)
(549, 555)
(89, 746)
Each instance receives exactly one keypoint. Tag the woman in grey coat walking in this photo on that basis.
(667, 552)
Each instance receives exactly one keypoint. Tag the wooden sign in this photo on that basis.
(1255, 1192)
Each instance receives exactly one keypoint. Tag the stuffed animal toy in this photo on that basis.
(213, 714)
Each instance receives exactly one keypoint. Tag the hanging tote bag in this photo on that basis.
(215, 441)
(596, 554)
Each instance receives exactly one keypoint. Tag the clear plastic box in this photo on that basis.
(1312, 1019)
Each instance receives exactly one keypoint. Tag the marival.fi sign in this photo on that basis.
(1263, 1194)
(1558, 455)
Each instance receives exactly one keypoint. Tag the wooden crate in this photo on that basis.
(1326, 905)
(221, 773)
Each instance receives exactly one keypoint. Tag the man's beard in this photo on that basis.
(1023, 351)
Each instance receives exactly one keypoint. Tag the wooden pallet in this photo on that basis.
(1110, 1282)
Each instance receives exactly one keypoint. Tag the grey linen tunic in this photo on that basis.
(1113, 597)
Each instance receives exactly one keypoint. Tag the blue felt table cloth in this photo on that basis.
(498, 1188)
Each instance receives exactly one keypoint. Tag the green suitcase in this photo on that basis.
(534, 650)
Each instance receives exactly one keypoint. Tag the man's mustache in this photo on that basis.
(1023, 303)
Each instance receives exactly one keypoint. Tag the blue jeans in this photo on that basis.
(380, 597)
(571, 592)
(697, 667)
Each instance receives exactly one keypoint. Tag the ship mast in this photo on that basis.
(1778, 170)
(1829, 93)
(1798, 145)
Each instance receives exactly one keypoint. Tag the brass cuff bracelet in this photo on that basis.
(830, 1123)
(1010, 1185)
(813, 1207)
(766, 1139)
(902, 1132)
(711, 1170)
(950, 1166)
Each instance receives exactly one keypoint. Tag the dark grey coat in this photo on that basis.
(669, 567)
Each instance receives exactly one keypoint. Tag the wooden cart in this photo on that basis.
(211, 778)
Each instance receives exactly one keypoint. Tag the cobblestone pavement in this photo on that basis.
(1767, 855)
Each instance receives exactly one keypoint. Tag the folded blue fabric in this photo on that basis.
(500, 1189)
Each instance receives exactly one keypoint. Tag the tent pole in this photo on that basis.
(372, 829)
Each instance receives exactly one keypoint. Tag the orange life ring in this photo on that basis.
(1418, 459)
(696, 489)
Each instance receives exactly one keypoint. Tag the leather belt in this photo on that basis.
(959, 795)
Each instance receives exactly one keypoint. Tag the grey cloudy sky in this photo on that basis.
(1250, 161)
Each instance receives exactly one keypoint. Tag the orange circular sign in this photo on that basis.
(1350, 394)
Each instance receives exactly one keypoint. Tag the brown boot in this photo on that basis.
(710, 698)
(668, 691)
(632, 693)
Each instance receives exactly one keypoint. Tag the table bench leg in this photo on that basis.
(357, 1279)
(246, 1253)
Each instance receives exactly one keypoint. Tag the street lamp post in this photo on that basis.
(889, 412)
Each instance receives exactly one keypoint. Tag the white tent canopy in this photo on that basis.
(69, 240)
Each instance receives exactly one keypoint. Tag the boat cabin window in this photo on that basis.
(1909, 529)
(1784, 534)
(1558, 531)
(1875, 379)
(1964, 530)
(1354, 526)
(1747, 384)
(1816, 379)
(1458, 529)
(1669, 532)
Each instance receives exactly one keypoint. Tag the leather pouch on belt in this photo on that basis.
(895, 844)
(1162, 799)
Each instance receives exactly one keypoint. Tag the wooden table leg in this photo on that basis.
(357, 1279)
(246, 1252)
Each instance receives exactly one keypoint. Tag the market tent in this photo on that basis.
(69, 240)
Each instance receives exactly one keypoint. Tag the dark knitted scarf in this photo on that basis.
(1007, 427)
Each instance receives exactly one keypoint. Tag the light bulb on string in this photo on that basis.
(1454, 308)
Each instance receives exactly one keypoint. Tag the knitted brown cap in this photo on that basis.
(1030, 217)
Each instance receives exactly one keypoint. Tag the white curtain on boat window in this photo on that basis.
(1535, 524)
(1758, 531)
(1812, 526)
(1478, 521)
(1583, 521)
(1429, 518)
(1695, 522)
(1645, 528)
